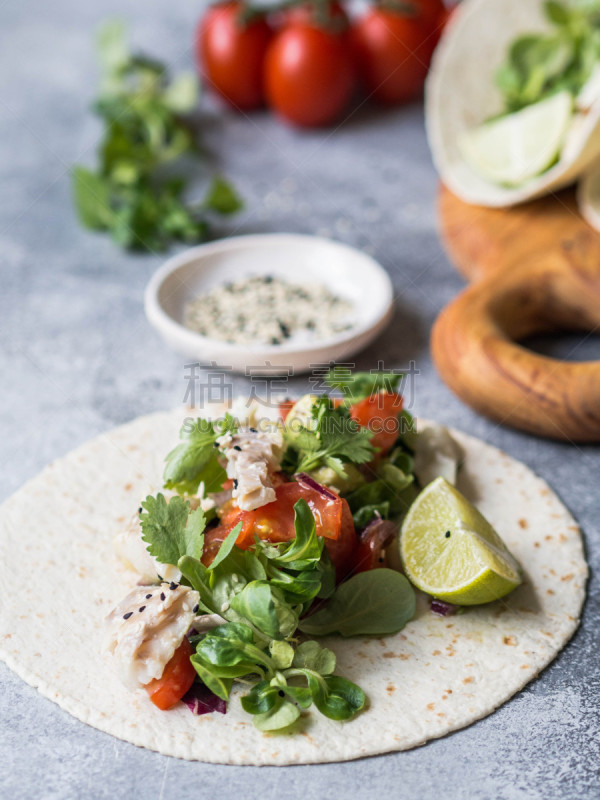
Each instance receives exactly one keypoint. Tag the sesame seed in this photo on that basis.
(163, 596)
(237, 447)
(215, 444)
(253, 430)
(235, 483)
(281, 693)
(127, 615)
(148, 596)
(173, 586)
(142, 608)
(447, 534)
(140, 509)
(196, 608)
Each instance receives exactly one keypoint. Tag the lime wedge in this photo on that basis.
(514, 148)
(449, 550)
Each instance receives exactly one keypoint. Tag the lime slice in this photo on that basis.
(450, 550)
(514, 148)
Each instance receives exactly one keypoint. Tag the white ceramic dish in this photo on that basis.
(347, 272)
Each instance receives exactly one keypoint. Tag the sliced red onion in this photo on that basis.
(443, 609)
(379, 533)
(305, 480)
(200, 700)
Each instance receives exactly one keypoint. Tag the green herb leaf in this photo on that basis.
(359, 385)
(196, 458)
(282, 654)
(170, 530)
(226, 546)
(91, 194)
(335, 438)
(310, 655)
(142, 204)
(282, 715)
(266, 608)
(377, 602)
(222, 197)
(389, 495)
(336, 697)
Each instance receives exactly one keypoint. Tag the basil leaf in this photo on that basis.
(226, 546)
(377, 602)
(310, 655)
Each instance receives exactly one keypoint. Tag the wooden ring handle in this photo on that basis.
(475, 346)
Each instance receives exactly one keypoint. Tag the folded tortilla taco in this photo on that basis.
(218, 573)
(462, 93)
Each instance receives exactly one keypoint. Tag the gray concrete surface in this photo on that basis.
(77, 357)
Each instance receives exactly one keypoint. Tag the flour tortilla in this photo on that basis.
(461, 94)
(59, 579)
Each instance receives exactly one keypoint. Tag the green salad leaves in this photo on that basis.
(263, 594)
(135, 193)
(541, 64)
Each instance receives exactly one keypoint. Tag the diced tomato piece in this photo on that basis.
(274, 522)
(176, 679)
(379, 413)
(285, 407)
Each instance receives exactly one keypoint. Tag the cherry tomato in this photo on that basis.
(176, 679)
(330, 16)
(274, 522)
(393, 52)
(231, 53)
(429, 11)
(379, 413)
(309, 75)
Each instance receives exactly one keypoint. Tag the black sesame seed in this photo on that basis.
(140, 509)
(253, 430)
(173, 586)
(196, 608)
(447, 534)
(237, 447)
(148, 596)
(163, 596)
(281, 693)
(215, 444)
(235, 483)
(127, 615)
(142, 608)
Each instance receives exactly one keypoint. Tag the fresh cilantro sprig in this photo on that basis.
(333, 439)
(540, 64)
(171, 530)
(196, 457)
(134, 193)
(357, 386)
